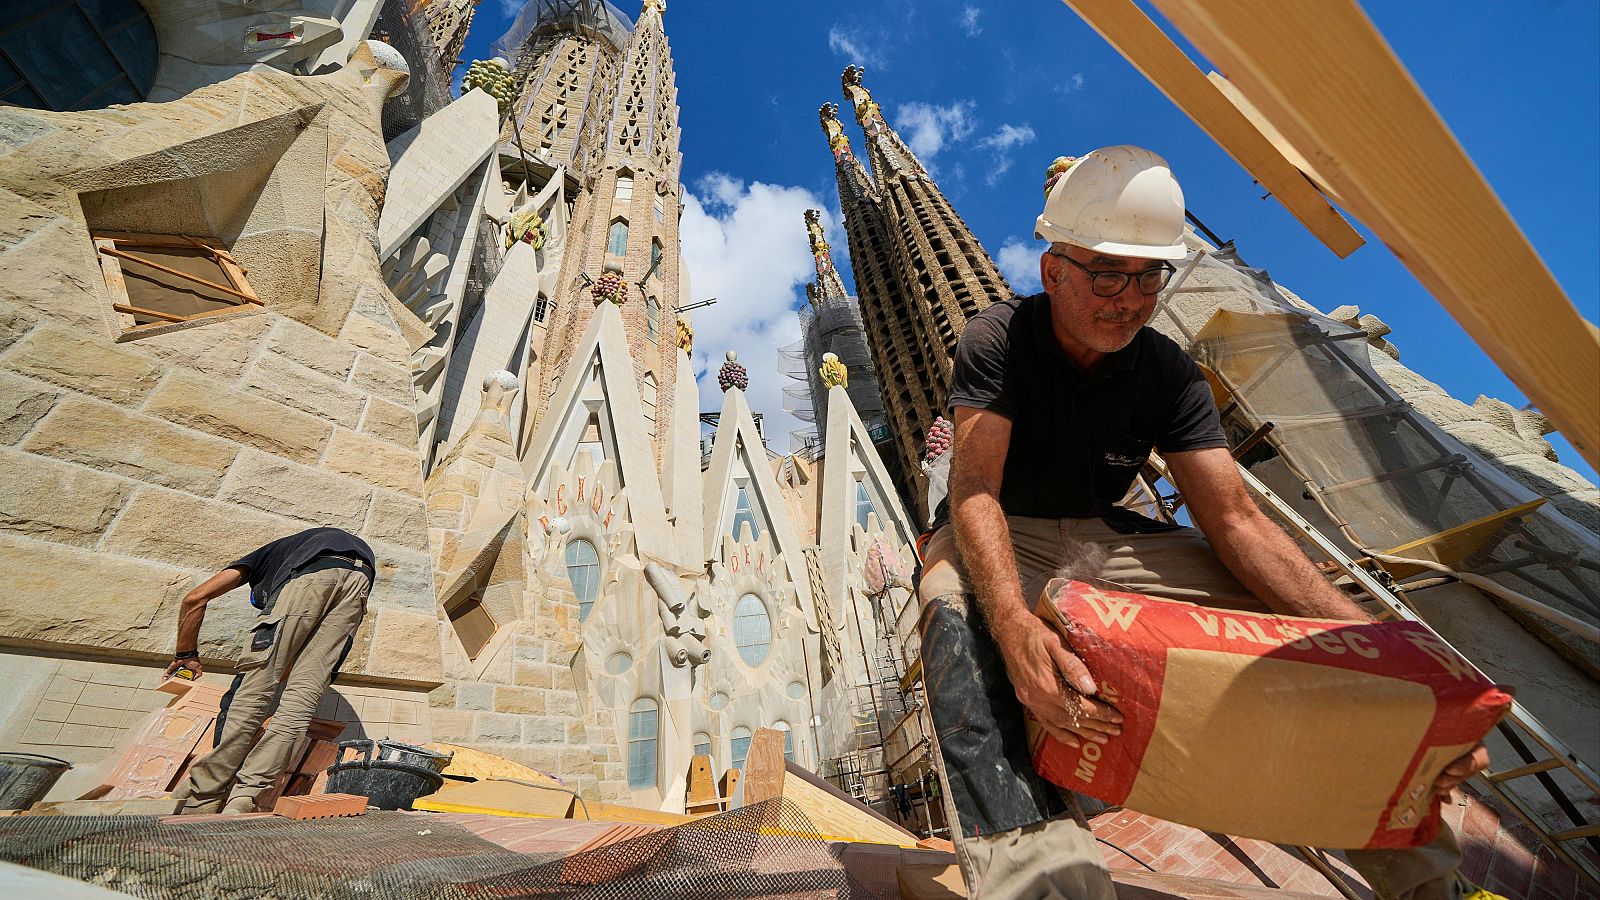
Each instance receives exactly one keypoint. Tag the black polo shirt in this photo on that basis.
(1078, 440)
(270, 566)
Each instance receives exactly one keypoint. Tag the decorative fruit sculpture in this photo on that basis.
(685, 335)
(527, 227)
(609, 286)
(833, 372)
(494, 76)
(940, 434)
(1057, 169)
(732, 375)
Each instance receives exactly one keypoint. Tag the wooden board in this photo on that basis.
(794, 771)
(500, 798)
(729, 786)
(763, 767)
(1325, 78)
(613, 812)
(477, 764)
(833, 819)
(702, 786)
(931, 881)
(1455, 544)
(1130, 31)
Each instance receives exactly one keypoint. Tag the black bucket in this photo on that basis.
(411, 754)
(26, 777)
(386, 783)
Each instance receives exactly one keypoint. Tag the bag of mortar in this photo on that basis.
(1298, 731)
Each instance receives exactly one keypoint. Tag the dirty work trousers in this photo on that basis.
(295, 648)
(1017, 836)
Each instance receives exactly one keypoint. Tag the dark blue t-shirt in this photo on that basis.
(268, 567)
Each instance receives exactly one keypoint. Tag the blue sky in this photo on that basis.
(990, 93)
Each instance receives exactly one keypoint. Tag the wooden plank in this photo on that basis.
(153, 313)
(178, 273)
(832, 819)
(764, 767)
(501, 798)
(1455, 544)
(729, 787)
(1131, 32)
(111, 271)
(931, 881)
(822, 784)
(1324, 76)
(613, 812)
(1272, 134)
(466, 762)
(702, 786)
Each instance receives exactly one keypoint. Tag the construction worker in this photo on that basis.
(1058, 400)
(311, 589)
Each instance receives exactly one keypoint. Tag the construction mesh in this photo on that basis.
(759, 851)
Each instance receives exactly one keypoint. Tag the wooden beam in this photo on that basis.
(1327, 80)
(1273, 135)
(764, 767)
(1154, 54)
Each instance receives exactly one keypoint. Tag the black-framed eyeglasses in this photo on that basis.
(1109, 283)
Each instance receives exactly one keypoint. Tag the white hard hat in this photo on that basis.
(1120, 201)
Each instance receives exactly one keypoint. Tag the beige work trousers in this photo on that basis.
(1060, 858)
(313, 622)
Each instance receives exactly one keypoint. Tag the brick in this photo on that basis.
(40, 733)
(87, 736)
(187, 531)
(64, 689)
(23, 403)
(390, 422)
(106, 696)
(384, 380)
(320, 806)
(57, 502)
(375, 462)
(94, 715)
(311, 348)
(305, 389)
(273, 484)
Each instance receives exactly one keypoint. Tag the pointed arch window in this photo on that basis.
(744, 512)
(739, 745)
(652, 317)
(583, 569)
(647, 396)
(863, 504)
(617, 240)
(702, 747)
(660, 206)
(644, 723)
(624, 192)
(655, 255)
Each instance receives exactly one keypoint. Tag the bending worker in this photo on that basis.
(311, 589)
(1058, 399)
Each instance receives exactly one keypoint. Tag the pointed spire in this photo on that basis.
(838, 141)
(889, 154)
(659, 7)
(829, 284)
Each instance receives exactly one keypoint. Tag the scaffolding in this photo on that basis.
(830, 324)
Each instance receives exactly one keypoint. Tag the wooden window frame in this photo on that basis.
(112, 246)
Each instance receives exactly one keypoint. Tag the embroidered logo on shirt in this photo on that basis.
(1122, 459)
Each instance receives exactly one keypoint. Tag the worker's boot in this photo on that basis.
(197, 806)
(237, 806)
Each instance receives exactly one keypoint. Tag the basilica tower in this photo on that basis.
(599, 102)
(920, 272)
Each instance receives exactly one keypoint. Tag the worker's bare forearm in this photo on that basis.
(1275, 569)
(192, 611)
(984, 540)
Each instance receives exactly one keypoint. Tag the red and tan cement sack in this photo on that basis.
(1298, 731)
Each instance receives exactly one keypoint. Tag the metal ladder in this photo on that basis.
(1519, 728)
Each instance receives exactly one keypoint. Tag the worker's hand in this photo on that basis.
(1053, 684)
(192, 665)
(1473, 762)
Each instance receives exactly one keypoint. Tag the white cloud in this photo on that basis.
(1019, 263)
(1002, 142)
(969, 20)
(745, 244)
(854, 46)
(1071, 85)
(925, 127)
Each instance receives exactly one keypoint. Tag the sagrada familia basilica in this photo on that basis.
(260, 271)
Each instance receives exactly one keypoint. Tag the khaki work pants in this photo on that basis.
(1017, 837)
(295, 648)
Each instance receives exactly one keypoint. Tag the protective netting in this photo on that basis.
(760, 851)
(830, 324)
(591, 18)
(404, 26)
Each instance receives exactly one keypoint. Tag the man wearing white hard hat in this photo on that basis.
(1058, 399)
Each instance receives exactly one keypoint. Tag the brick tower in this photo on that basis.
(600, 100)
(920, 272)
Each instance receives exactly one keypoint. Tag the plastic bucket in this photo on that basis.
(386, 783)
(26, 777)
(410, 754)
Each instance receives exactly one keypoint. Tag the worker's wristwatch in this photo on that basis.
(186, 654)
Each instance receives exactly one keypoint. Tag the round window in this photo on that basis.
(618, 663)
(752, 629)
(719, 700)
(796, 691)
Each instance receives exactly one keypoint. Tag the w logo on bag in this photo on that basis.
(1111, 610)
